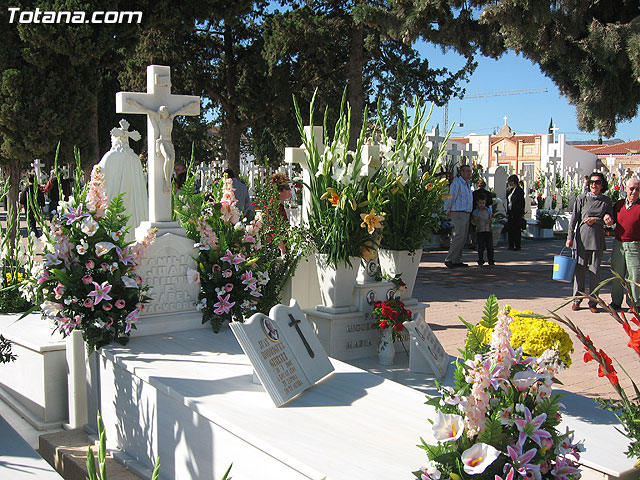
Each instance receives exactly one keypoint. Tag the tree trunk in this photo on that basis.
(233, 133)
(355, 94)
(90, 155)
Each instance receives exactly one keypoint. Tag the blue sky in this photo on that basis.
(526, 113)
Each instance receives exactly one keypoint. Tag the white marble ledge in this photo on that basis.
(31, 332)
(337, 428)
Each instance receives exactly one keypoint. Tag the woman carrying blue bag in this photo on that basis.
(591, 212)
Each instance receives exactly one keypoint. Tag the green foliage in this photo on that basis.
(494, 433)
(5, 351)
(589, 50)
(102, 458)
(490, 312)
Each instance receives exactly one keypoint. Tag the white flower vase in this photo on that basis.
(336, 284)
(386, 349)
(393, 262)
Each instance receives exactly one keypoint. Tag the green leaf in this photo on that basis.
(491, 310)
(493, 433)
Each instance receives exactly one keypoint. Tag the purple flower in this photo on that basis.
(100, 292)
(520, 461)
(223, 305)
(74, 215)
(563, 468)
(529, 427)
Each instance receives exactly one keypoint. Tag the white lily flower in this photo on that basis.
(102, 248)
(50, 309)
(89, 226)
(193, 276)
(448, 427)
(129, 282)
(477, 458)
(523, 380)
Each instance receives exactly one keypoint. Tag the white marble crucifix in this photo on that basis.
(298, 155)
(37, 167)
(161, 107)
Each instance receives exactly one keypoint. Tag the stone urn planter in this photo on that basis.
(336, 284)
(393, 262)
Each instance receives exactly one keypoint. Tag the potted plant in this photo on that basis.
(412, 194)
(546, 221)
(344, 216)
(389, 318)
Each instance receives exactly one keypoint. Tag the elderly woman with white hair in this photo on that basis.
(625, 257)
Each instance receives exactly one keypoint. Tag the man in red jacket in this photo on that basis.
(625, 259)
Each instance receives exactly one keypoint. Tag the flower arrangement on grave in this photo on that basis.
(500, 420)
(345, 217)
(89, 281)
(545, 218)
(6, 355)
(412, 191)
(627, 406)
(240, 269)
(391, 315)
(534, 335)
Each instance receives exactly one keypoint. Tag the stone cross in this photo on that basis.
(298, 155)
(554, 129)
(497, 151)
(434, 140)
(161, 107)
(37, 167)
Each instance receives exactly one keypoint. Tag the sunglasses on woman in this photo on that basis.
(596, 182)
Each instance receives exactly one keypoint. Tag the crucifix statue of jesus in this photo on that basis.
(162, 122)
(161, 107)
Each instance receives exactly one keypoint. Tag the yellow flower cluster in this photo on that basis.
(536, 335)
(10, 280)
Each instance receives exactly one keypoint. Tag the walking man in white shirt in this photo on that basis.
(458, 209)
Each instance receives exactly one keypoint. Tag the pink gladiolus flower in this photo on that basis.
(87, 279)
(100, 292)
(44, 277)
(223, 305)
(120, 304)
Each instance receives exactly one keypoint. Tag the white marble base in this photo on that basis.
(35, 385)
(188, 397)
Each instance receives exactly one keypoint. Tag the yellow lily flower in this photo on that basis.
(371, 221)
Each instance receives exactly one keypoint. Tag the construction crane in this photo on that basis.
(499, 93)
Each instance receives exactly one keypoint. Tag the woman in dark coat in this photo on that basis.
(591, 212)
(515, 212)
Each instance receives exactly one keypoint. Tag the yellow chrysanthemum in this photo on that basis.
(371, 221)
(535, 335)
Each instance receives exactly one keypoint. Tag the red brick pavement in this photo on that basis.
(523, 280)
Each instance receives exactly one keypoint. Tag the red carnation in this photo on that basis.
(383, 324)
(398, 327)
(393, 314)
(408, 313)
(386, 310)
(378, 304)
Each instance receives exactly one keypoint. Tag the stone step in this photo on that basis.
(66, 451)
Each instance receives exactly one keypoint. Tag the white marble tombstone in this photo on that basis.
(123, 174)
(497, 181)
(284, 351)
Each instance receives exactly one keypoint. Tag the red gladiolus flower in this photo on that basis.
(634, 337)
(587, 356)
(612, 376)
(383, 324)
(398, 327)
